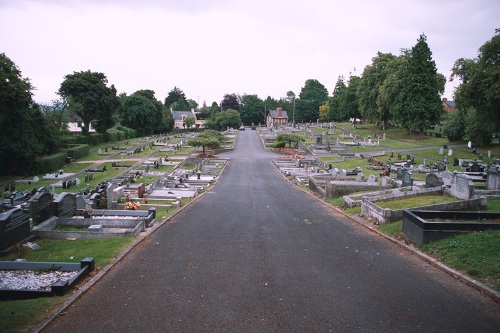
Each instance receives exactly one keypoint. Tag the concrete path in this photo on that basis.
(255, 254)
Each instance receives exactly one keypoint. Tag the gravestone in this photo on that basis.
(456, 161)
(319, 140)
(40, 207)
(407, 179)
(441, 166)
(493, 178)
(110, 197)
(14, 228)
(80, 202)
(400, 173)
(141, 190)
(372, 179)
(432, 180)
(360, 177)
(475, 167)
(386, 181)
(441, 151)
(450, 152)
(65, 205)
(447, 177)
(462, 187)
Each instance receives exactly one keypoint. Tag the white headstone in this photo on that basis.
(441, 151)
(469, 144)
(450, 152)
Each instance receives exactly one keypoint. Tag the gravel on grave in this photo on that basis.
(33, 280)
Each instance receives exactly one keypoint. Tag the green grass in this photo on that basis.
(416, 201)
(20, 316)
(102, 250)
(477, 254)
(393, 229)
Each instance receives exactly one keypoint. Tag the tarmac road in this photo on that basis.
(255, 254)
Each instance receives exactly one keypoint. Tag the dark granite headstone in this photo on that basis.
(65, 204)
(319, 140)
(141, 190)
(14, 228)
(41, 207)
(433, 180)
(400, 174)
(475, 167)
(407, 179)
(441, 166)
(456, 162)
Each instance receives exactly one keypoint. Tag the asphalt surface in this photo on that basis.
(255, 254)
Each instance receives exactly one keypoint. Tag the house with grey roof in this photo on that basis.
(276, 118)
(180, 117)
(448, 105)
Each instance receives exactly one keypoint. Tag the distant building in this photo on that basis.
(75, 123)
(448, 105)
(181, 116)
(276, 118)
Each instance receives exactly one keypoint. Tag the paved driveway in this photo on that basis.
(256, 254)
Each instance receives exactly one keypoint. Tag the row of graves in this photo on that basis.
(396, 181)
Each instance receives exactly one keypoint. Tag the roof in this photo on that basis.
(450, 104)
(178, 115)
(274, 114)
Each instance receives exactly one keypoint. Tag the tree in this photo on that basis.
(26, 132)
(139, 112)
(454, 125)
(252, 110)
(164, 123)
(227, 119)
(373, 77)
(336, 101)
(176, 100)
(479, 91)
(189, 122)
(389, 104)
(230, 101)
(311, 96)
(290, 138)
(350, 102)
(421, 89)
(97, 101)
(207, 138)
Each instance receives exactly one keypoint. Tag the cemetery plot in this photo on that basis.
(420, 226)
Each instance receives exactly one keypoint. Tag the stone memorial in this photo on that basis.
(450, 152)
(400, 173)
(441, 151)
(462, 187)
(493, 178)
(14, 228)
(441, 166)
(432, 180)
(407, 179)
(372, 179)
(141, 190)
(360, 177)
(40, 207)
(65, 205)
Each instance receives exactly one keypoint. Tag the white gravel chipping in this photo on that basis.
(33, 280)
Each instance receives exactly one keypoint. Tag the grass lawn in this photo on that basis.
(416, 201)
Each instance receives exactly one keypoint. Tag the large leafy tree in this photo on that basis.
(139, 112)
(94, 101)
(350, 101)
(231, 101)
(421, 88)
(229, 118)
(176, 100)
(26, 132)
(311, 97)
(252, 109)
(166, 116)
(389, 104)
(372, 79)
(479, 91)
(335, 102)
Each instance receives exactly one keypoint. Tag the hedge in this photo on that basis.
(51, 163)
(77, 151)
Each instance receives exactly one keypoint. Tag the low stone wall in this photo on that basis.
(418, 230)
(357, 199)
(122, 227)
(386, 215)
(339, 188)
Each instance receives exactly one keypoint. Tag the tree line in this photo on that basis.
(394, 90)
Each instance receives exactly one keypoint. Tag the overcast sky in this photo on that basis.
(209, 48)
